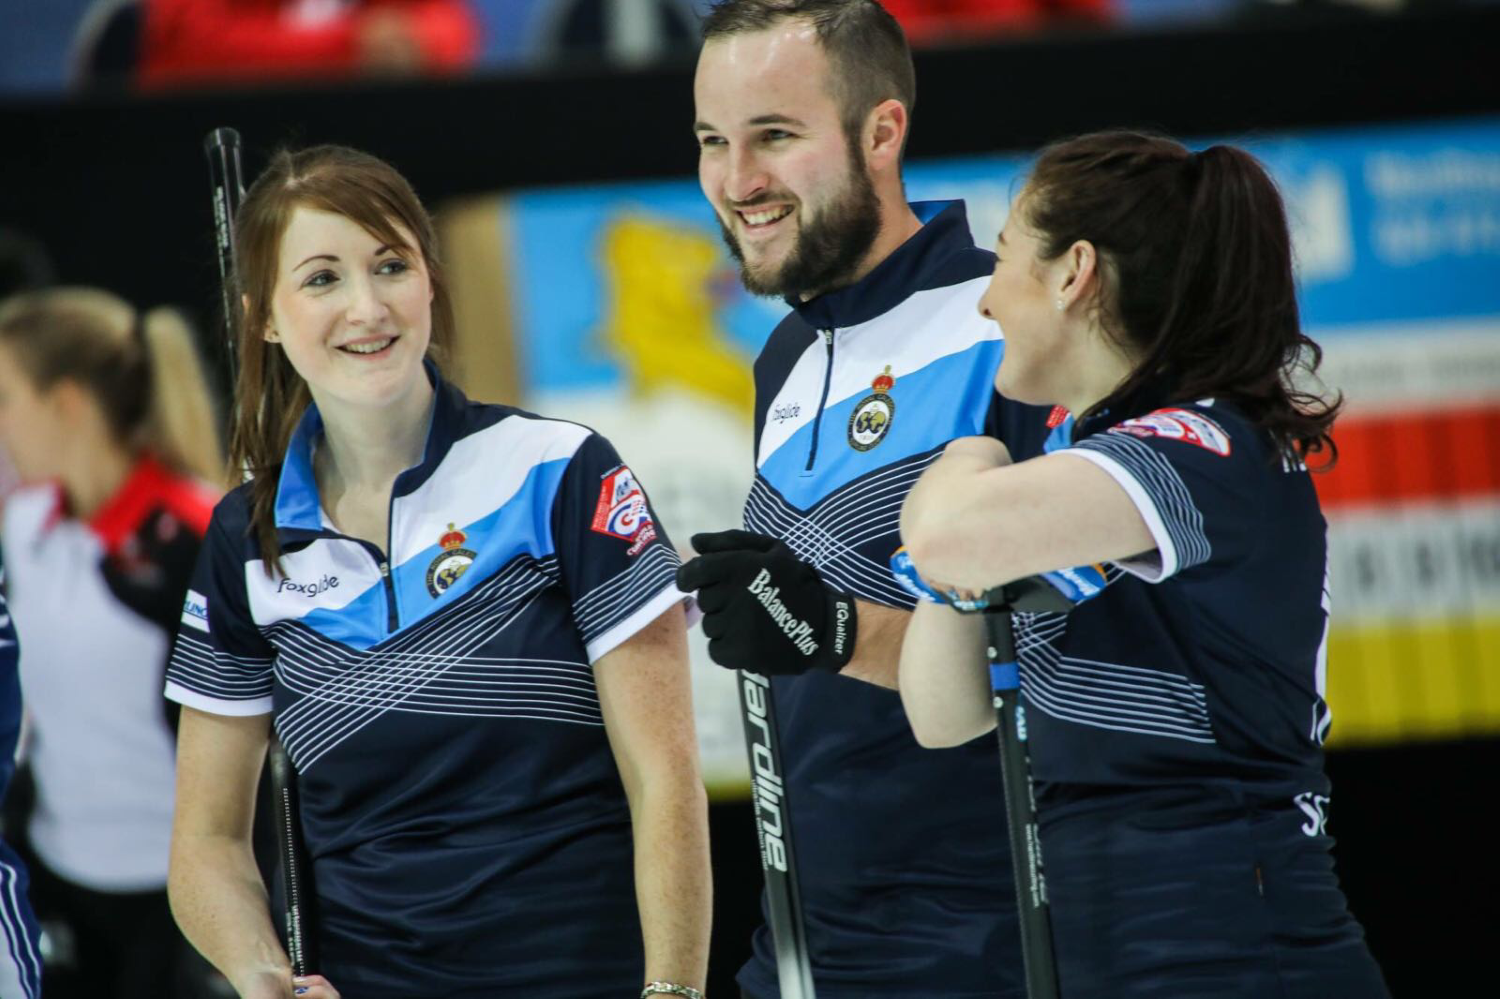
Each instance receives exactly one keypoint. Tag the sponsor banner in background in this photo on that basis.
(630, 317)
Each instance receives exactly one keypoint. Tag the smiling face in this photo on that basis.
(792, 193)
(353, 314)
(1022, 299)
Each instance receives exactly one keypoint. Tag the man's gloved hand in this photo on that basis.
(764, 609)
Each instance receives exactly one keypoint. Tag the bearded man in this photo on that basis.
(803, 109)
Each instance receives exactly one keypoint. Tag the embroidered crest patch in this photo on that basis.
(622, 511)
(1181, 425)
(873, 415)
(451, 563)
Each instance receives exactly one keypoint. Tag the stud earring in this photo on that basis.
(1059, 305)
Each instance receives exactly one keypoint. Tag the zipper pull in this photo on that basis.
(385, 570)
(828, 337)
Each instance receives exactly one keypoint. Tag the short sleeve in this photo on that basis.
(1197, 476)
(617, 565)
(220, 663)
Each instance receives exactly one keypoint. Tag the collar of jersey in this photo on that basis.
(298, 507)
(909, 268)
(1152, 395)
(148, 487)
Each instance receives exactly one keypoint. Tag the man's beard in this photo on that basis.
(829, 247)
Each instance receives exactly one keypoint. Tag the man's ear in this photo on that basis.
(885, 134)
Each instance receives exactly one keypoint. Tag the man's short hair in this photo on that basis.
(868, 58)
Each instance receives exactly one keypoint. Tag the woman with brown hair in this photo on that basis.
(105, 414)
(1175, 721)
(461, 620)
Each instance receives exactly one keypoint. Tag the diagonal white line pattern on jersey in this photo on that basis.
(1183, 519)
(401, 674)
(24, 961)
(880, 508)
(218, 674)
(1102, 694)
(476, 602)
(609, 603)
(855, 497)
(344, 717)
(1110, 696)
(1118, 721)
(834, 556)
(373, 674)
(849, 569)
(1097, 687)
(826, 534)
(575, 679)
(358, 715)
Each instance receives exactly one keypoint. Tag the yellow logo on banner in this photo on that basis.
(659, 319)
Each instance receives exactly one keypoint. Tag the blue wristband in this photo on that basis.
(1078, 584)
(905, 571)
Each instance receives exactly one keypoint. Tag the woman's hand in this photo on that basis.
(952, 592)
(278, 984)
(314, 987)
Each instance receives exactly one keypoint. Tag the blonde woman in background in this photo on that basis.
(106, 417)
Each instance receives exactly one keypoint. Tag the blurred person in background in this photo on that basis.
(25, 265)
(462, 619)
(106, 417)
(185, 42)
(929, 22)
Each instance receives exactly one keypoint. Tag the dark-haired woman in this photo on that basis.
(463, 622)
(1176, 721)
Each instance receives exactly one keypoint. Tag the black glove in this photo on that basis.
(764, 609)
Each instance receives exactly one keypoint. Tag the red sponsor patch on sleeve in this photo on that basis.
(622, 511)
(1184, 425)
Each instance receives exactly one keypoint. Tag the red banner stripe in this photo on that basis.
(1423, 455)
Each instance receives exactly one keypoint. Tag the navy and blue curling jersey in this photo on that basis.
(468, 828)
(20, 937)
(1204, 659)
(905, 884)
(10, 691)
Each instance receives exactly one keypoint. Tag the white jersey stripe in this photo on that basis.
(20, 965)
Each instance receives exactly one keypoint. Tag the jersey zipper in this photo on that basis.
(393, 619)
(812, 451)
(383, 564)
(392, 622)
